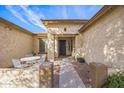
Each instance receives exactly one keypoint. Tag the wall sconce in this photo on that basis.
(8, 28)
(65, 29)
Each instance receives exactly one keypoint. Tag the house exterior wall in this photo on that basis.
(58, 29)
(103, 41)
(36, 44)
(14, 43)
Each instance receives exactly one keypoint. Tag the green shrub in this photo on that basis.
(115, 81)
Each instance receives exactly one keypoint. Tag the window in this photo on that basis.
(42, 46)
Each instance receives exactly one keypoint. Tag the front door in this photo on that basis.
(62, 47)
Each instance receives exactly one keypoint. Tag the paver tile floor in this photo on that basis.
(68, 75)
(69, 78)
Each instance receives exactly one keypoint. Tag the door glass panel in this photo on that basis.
(62, 47)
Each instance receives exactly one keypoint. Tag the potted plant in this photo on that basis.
(80, 59)
(34, 54)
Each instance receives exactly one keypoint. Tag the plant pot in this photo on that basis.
(81, 60)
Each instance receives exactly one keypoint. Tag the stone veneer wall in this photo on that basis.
(30, 77)
(103, 41)
(14, 43)
(46, 75)
(51, 47)
(19, 78)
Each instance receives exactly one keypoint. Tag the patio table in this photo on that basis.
(30, 58)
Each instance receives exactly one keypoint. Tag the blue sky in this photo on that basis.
(29, 17)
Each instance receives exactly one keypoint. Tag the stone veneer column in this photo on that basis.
(46, 75)
(56, 47)
(51, 47)
(73, 47)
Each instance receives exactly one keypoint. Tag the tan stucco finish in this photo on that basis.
(14, 43)
(103, 41)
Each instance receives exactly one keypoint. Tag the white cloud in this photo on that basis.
(64, 12)
(79, 11)
(16, 13)
(25, 14)
(33, 17)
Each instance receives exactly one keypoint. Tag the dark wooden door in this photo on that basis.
(62, 47)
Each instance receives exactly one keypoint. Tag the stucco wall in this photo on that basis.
(59, 28)
(103, 42)
(36, 44)
(13, 44)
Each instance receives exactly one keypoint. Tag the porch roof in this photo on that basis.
(96, 17)
(56, 21)
(41, 35)
(11, 25)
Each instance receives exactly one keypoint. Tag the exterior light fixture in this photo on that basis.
(65, 29)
